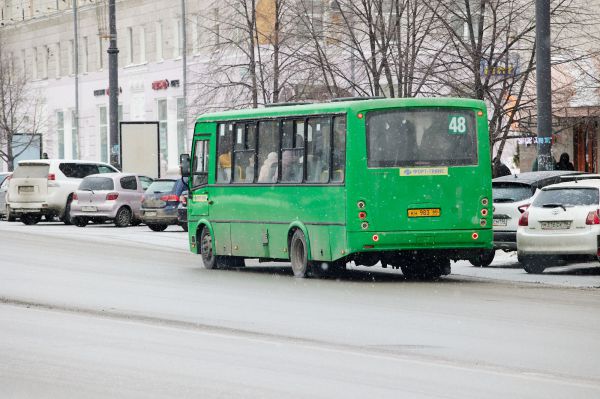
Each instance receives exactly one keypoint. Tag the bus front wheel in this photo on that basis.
(299, 255)
(208, 257)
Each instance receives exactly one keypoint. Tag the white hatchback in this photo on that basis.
(562, 221)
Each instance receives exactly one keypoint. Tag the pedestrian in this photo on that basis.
(564, 163)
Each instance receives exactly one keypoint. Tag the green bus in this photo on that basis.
(404, 182)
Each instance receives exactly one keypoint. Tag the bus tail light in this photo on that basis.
(523, 208)
(362, 215)
(375, 237)
(364, 225)
(485, 202)
(361, 204)
(524, 219)
(593, 217)
(112, 196)
(474, 236)
(484, 212)
(483, 222)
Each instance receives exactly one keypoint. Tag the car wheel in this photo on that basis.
(157, 227)
(67, 215)
(80, 221)
(30, 219)
(184, 226)
(483, 259)
(208, 257)
(301, 266)
(10, 217)
(136, 222)
(123, 217)
(532, 264)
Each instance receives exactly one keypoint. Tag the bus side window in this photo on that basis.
(318, 150)
(292, 151)
(224, 147)
(268, 148)
(339, 149)
(243, 150)
(200, 164)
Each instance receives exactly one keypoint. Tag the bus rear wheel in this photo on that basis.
(299, 255)
(431, 269)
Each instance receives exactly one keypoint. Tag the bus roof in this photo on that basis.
(341, 106)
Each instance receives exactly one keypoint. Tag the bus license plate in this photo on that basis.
(423, 213)
(559, 225)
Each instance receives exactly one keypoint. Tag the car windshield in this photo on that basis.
(567, 196)
(509, 192)
(161, 186)
(421, 137)
(31, 171)
(97, 184)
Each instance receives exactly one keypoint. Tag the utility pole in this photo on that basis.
(544, 85)
(184, 61)
(113, 86)
(75, 145)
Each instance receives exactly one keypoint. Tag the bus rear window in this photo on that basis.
(421, 137)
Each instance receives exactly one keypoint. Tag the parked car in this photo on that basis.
(4, 179)
(46, 187)
(182, 211)
(511, 195)
(115, 197)
(159, 206)
(562, 221)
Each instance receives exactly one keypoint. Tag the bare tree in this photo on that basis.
(21, 109)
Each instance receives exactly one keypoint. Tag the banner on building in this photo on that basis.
(139, 148)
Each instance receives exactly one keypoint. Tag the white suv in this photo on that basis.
(46, 187)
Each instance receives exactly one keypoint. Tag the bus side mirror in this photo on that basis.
(184, 165)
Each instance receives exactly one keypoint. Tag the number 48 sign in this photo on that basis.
(457, 124)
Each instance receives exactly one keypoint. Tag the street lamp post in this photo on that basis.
(113, 86)
(544, 85)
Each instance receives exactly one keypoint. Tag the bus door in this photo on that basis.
(199, 195)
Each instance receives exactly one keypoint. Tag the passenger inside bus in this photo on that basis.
(268, 170)
(224, 164)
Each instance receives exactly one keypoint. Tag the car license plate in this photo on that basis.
(25, 189)
(89, 208)
(425, 212)
(500, 222)
(151, 213)
(558, 225)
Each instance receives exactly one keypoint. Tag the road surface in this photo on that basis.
(106, 312)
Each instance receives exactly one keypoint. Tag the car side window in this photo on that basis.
(145, 182)
(105, 169)
(129, 183)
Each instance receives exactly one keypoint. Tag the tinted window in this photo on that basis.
(224, 147)
(421, 137)
(292, 151)
(129, 183)
(244, 154)
(97, 183)
(318, 150)
(78, 170)
(567, 197)
(200, 163)
(339, 149)
(34, 171)
(162, 186)
(510, 192)
(268, 150)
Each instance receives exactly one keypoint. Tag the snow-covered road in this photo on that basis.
(106, 312)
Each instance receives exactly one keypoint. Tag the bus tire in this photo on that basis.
(434, 268)
(299, 255)
(208, 257)
(483, 259)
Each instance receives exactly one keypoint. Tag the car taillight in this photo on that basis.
(524, 220)
(169, 198)
(593, 217)
(523, 208)
(75, 197)
(51, 176)
(112, 196)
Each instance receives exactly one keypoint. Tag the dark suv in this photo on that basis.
(160, 203)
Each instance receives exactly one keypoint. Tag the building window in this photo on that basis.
(100, 53)
(159, 46)
(129, 46)
(162, 129)
(142, 35)
(71, 56)
(84, 55)
(103, 134)
(60, 131)
(177, 42)
(34, 64)
(196, 36)
(24, 62)
(181, 130)
(74, 136)
(216, 27)
(57, 60)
